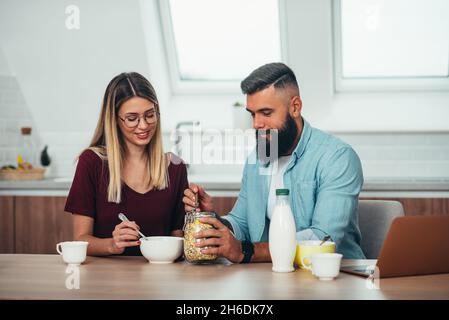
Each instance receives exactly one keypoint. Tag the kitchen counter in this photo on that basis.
(45, 277)
(229, 185)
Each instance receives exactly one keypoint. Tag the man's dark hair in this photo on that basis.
(277, 74)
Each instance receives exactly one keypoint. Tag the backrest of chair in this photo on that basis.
(375, 217)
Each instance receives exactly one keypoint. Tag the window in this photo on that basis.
(214, 44)
(391, 45)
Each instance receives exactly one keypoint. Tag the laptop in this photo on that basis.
(415, 245)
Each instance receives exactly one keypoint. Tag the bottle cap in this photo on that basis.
(282, 192)
(25, 130)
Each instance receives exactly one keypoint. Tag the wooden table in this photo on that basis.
(44, 277)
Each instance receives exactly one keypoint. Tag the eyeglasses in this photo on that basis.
(133, 120)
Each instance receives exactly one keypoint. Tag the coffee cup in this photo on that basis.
(304, 250)
(73, 252)
(325, 266)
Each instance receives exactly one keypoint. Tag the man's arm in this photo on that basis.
(225, 222)
(340, 183)
(261, 252)
(231, 230)
(341, 180)
(221, 241)
(237, 220)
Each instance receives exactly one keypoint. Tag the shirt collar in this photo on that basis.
(305, 137)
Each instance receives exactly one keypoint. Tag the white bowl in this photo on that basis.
(161, 249)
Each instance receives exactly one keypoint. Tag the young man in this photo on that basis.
(323, 174)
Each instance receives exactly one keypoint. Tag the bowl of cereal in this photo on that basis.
(160, 249)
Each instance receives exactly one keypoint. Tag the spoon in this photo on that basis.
(122, 217)
(196, 204)
(196, 201)
(325, 239)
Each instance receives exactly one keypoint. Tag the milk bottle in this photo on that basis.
(282, 234)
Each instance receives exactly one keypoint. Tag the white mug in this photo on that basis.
(73, 252)
(325, 266)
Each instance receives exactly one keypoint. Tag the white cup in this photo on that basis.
(73, 252)
(325, 266)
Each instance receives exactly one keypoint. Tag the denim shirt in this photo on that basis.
(324, 177)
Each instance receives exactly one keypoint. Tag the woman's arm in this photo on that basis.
(83, 230)
(124, 235)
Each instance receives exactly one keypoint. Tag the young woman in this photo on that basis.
(125, 170)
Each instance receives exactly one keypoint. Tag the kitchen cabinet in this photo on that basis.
(412, 206)
(7, 224)
(422, 206)
(40, 223)
(34, 224)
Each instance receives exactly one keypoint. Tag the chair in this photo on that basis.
(375, 217)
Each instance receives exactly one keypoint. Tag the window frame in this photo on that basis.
(182, 87)
(375, 84)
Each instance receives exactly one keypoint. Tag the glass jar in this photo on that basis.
(27, 150)
(193, 225)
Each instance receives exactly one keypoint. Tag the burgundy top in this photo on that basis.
(157, 212)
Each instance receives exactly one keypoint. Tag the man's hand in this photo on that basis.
(220, 241)
(205, 202)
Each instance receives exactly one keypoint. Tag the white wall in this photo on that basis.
(14, 112)
(5, 68)
(63, 73)
(58, 77)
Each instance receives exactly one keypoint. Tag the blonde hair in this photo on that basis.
(108, 142)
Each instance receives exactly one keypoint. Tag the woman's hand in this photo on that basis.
(205, 202)
(124, 235)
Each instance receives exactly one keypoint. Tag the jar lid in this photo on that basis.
(201, 214)
(282, 192)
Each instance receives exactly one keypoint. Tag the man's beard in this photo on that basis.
(283, 139)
